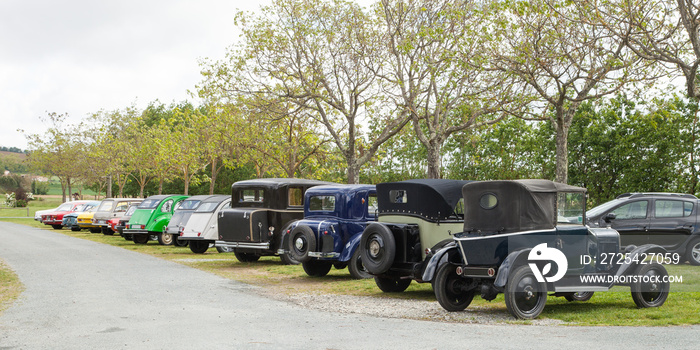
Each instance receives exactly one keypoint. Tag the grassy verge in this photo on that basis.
(605, 308)
(10, 286)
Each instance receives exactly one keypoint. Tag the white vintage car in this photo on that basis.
(201, 230)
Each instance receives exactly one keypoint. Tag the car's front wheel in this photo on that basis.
(165, 239)
(693, 253)
(356, 268)
(525, 297)
(651, 286)
(317, 268)
(579, 296)
(391, 284)
(449, 288)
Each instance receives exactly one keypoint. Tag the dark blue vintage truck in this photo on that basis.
(334, 218)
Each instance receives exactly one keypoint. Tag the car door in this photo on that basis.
(632, 222)
(672, 222)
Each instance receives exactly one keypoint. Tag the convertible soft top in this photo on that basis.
(432, 199)
(513, 205)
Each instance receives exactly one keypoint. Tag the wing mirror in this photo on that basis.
(609, 217)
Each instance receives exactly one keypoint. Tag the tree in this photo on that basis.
(321, 56)
(551, 46)
(436, 73)
(664, 32)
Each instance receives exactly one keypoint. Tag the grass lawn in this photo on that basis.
(605, 308)
(10, 286)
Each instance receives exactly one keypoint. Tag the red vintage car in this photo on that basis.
(55, 217)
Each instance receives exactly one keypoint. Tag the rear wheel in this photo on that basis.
(247, 257)
(140, 239)
(199, 247)
(651, 287)
(392, 284)
(57, 227)
(356, 268)
(107, 231)
(449, 289)
(75, 228)
(525, 297)
(693, 253)
(178, 242)
(317, 268)
(95, 230)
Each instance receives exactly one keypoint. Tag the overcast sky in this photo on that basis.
(78, 57)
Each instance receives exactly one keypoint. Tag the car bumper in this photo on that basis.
(244, 245)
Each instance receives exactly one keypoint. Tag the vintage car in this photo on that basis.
(527, 238)
(85, 221)
(112, 208)
(123, 221)
(70, 220)
(261, 210)
(201, 229)
(151, 216)
(55, 218)
(415, 218)
(671, 220)
(182, 214)
(334, 218)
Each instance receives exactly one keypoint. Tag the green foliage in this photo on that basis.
(40, 187)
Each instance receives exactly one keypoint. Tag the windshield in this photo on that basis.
(149, 204)
(190, 204)
(131, 210)
(570, 207)
(207, 207)
(602, 208)
(105, 206)
(65, 207)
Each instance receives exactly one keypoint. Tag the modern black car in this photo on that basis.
(670, 220)
(261, 210)
(526, 239)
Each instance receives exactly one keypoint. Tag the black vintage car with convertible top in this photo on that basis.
(527, 238)
(414, 219)
(261, 210)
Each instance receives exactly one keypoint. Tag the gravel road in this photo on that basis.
(85, 295)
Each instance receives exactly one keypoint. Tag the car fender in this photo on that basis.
(350, 247)
(630, 266)
(448, 253)
(515, 258)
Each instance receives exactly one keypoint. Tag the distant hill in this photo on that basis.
(19, 156)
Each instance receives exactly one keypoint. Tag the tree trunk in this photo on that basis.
(160, 186)
(353, 173)
(434, 160)
(214, 172)
(562, 153)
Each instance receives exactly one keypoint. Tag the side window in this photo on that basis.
(167, 206)
(251, 195)
(671, 209)
(634, 210)
(459, 208)
(121, 206)
(296, 196)
(322, 203)
(372, 206)
(398, 196)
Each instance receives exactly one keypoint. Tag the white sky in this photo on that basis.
(82, 56)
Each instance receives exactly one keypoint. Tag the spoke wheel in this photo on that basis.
(449, 288)
(525, 297)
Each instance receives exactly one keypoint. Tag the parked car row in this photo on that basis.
(526, 239)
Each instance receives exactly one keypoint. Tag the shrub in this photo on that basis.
(20, 203)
